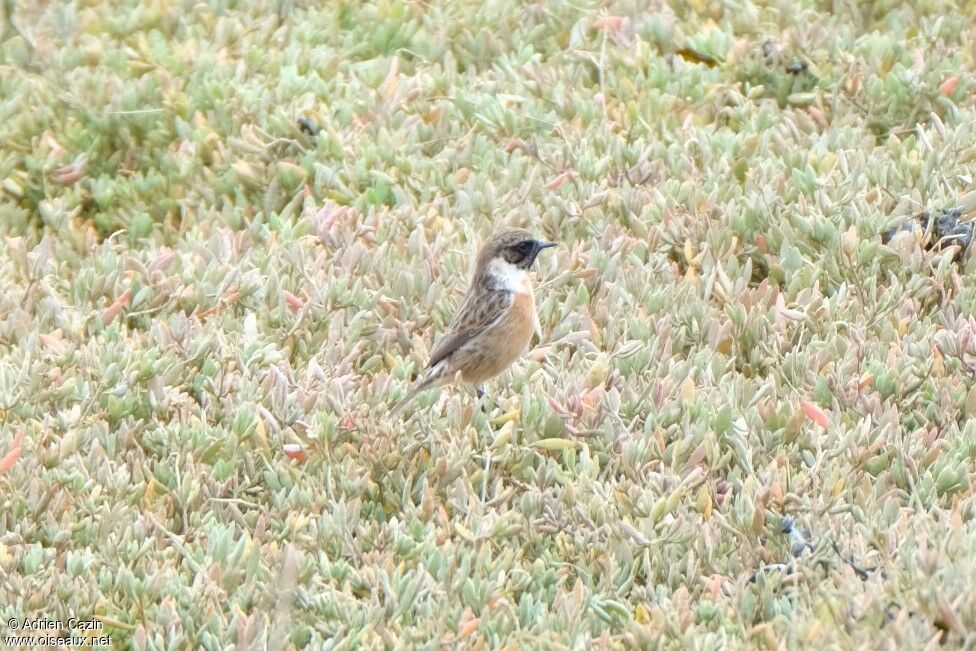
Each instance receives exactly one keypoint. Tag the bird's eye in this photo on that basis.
(523, 248)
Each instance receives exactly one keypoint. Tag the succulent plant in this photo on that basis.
(231, 231)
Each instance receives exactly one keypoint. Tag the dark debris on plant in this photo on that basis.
(797, 67)
(307, 125)
(800, 539)
(945, 231)
(801, 543)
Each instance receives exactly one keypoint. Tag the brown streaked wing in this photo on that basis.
(479, 311)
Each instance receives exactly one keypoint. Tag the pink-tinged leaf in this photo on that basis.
(294, 303)
(9, 460)
(517, 143)
(231, 295)
(558, 408)
(948, 87)
(793, 315)
(919, 58)
(592, 397)
(468, 624)
(780, 305)
(115, 309)
(560, 179)
(161, 261)
(390, 84)
(330, 214)
(69, 174)
(55, 148)
(52, 343)
(294, 451)
(815, 413)
(13, 454)
(965, 339)
(697, 456)
(818, 116)
(609, 23)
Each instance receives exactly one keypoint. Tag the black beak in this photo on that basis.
(539, 246)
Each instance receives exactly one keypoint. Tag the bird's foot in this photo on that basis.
(487, 403)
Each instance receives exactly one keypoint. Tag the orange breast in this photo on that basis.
(506, 343)
(522, 319)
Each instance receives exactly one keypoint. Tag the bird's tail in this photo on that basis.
(434, 377)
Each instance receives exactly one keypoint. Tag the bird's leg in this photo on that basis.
(486, 405)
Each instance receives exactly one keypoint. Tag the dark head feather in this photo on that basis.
(515, 245)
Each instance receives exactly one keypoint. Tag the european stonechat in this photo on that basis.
(497, 318)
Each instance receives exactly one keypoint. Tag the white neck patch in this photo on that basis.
(507, 275)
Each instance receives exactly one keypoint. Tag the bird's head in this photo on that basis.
(512, 246)
(506, 256)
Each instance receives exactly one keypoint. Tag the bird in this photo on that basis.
(497, 318)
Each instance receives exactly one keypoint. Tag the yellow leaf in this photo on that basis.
(938, 366)
(687, 390)
(724, 346)
(689, 253)
(512, 415)
(504, 435)
(149, 494)
(555, 444)
(599, 370)
(641, 614)
(261, 433)
(704, 501)
(463, 531)
(838, 487)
